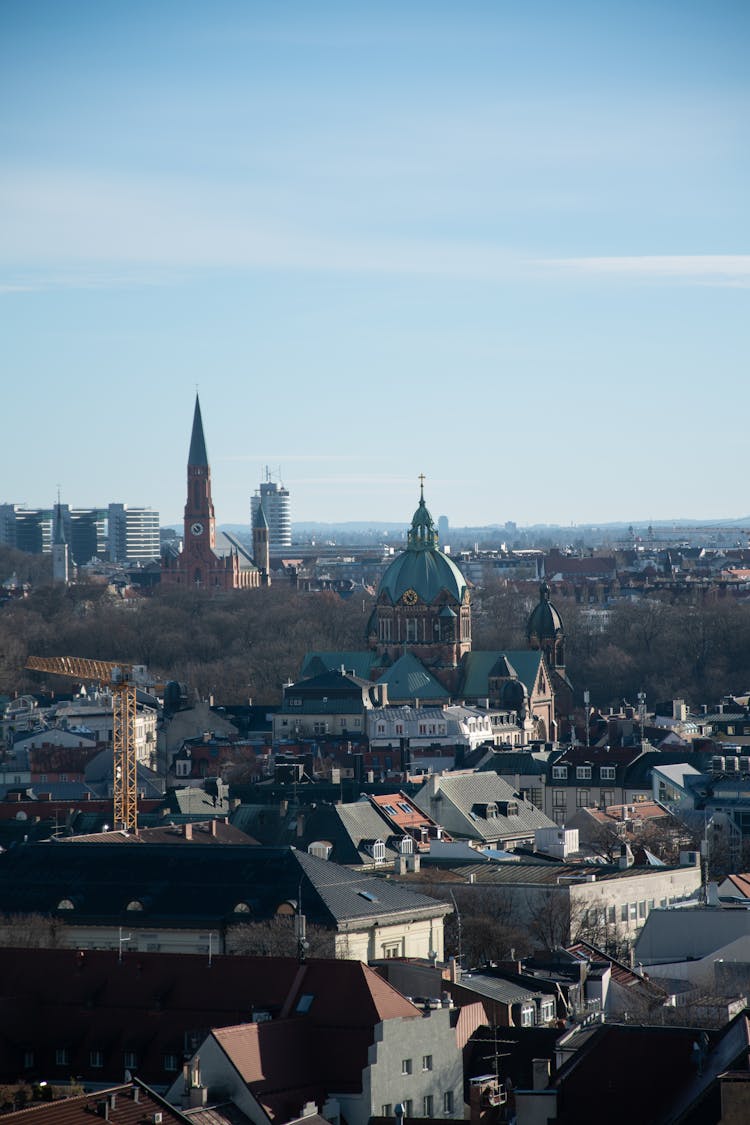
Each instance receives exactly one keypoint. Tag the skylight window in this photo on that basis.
(304, 1003)
(369, 896)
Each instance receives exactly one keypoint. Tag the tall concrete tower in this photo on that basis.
(274, 499)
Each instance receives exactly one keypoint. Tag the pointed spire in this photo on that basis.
(260, 521)
(197, 454)
(59, 532)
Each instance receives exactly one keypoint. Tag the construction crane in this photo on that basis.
(123, 681)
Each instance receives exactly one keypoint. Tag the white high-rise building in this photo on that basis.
(133, 534)
(274, 499)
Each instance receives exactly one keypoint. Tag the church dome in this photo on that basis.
(544, 620)
(422, 568)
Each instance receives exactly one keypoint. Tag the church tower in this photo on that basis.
(200, 521)
(60, 557)
(200, 565)
(261, 546)
(423, 604)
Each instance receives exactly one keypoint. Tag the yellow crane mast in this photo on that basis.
(122, 680)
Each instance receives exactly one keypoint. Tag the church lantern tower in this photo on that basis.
(423, 604)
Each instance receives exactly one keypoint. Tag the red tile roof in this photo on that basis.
(129, 1104)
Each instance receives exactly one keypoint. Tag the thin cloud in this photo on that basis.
(708, 269)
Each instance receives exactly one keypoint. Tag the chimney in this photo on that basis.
(188, 831)
(214, 828)
(540, 1071)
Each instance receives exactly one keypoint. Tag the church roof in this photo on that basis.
(479, 665)
(197, 454)
(409, 679)
(422, 567)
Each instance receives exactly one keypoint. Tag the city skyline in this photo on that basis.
(504, 247)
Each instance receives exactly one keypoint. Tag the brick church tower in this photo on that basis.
(200, 565)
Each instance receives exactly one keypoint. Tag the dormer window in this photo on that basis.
(583, 773)
(560, 773)
(65, 904)
(134, 904)
(607, 773)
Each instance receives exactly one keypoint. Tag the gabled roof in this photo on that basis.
(130, 1104)
(348, 828)
(459, 799)
(319, 1047)
(408, 678)
(360, 663)
(478, 666)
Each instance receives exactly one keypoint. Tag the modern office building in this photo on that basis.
(133, 534)
(274, 499)
(124, 534)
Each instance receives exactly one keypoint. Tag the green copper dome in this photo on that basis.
(422, 568)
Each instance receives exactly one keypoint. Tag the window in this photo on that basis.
(611, 914)
(548, 1010)
(427, 1105)
(558, 815)
(559, 773)
(28, 1059)
(583, 773)
(171, 1062)
(608, 797)
(583, 798)
(96, 1058)
(426, 1062)
(386, 1109)
(408, 1107)
(305, 1002)
(406, 1066)
(62, 1056)
(527, 1017)
(634, 912)
(448, 1101)
(642, 909)
(607, 773)
(558, 798)
(390, 951)
(624, 912)
(411, 629)
(131, 1060)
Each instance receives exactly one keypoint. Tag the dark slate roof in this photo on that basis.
(197, 454)
(198, 885)
(514, 761)
(496, 988)
(348, 828)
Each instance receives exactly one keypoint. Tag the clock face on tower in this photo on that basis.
(410, 597)
(196, 529)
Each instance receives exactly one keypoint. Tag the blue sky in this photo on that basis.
(502, 244)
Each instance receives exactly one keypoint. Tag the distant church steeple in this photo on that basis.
(261, 549)
(197, 454)
(60, 559)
